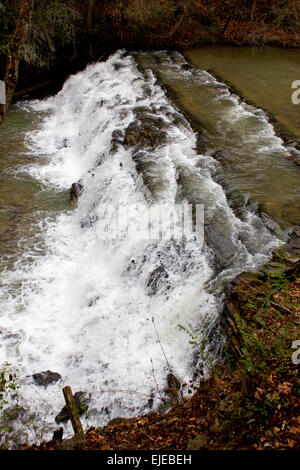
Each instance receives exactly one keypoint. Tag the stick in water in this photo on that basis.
(161, 345)
(72, 410)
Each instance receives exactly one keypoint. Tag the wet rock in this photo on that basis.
(100, 159)
(118, 65)
(178, 119)
(295, 233)
(187, 67)
(94, 413)
(254, 206)
(81, 401)
(295, 156)
(117, 139)
(173, 394)
(46, 378)
(292, 250)
(63, 144)
(75, 193)
(173, 382)
(58, 434)
(220, 241)
(145, 132)
(150, 402)
(93, 301)
(156, 279)
(220, 156)
(237, 204)
(76, 442)
(269, 223)
(89, 221)
(174, 387)
(201, 143)
(119, 420)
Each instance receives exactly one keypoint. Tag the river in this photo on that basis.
(105, 313)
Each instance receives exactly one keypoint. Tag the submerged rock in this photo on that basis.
(269, 223)
(173, 393)
(219, 239)
(156, 279)
(119, 420)
(292, 248)
(73, 443)
(46, 378)
(220, 156)
(75, 192)
(174, 387)
(117, 139)
(145, 131)
(186, 67)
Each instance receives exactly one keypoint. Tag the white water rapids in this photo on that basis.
(84, 308)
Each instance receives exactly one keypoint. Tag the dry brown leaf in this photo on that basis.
(291, 443)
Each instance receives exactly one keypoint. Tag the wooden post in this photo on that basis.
(72, 409)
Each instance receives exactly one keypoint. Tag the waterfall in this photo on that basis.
(85, 306)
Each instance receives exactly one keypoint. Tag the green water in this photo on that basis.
(24, 202)
(254, 164)
(264, 76)
(268, 177)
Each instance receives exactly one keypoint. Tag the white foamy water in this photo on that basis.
(84, 308)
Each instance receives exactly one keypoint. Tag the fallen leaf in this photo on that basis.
(291, 443)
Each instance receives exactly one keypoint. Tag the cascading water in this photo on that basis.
(84, 306)
(252, 159)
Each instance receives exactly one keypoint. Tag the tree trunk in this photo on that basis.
(14, 51)
(253, 10)
(89, 26)
(122, 7)
(226, 25)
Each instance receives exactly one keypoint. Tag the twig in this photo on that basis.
(161, 345)
(157, 388)
(281, 307)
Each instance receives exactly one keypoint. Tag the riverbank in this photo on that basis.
(84, 33)
(148, 135)
(251, 400)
